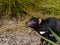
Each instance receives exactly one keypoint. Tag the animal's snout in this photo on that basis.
(28, 24)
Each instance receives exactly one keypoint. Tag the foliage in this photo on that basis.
(55, 35)
(22, 8)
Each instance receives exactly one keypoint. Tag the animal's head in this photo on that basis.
(33, 22)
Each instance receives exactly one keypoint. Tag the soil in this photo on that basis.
(10, 35)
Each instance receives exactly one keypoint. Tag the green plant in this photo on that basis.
(55, 35)
(22, 8)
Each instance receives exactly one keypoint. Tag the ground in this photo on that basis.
(10, 35)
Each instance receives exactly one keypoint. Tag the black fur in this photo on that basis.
(51, 22)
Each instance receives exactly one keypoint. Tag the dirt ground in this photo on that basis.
(10, 35)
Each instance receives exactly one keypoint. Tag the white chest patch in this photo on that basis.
(42, 32)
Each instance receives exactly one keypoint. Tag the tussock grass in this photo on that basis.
(22, 8)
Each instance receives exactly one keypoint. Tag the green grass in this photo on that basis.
(23, 8)
(55, 35)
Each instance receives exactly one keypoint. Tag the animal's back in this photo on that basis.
(53, 23)
(57, 25)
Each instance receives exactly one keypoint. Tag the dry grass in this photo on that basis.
(15, 25)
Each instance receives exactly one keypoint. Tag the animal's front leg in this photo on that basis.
(43, 42)
(46, 35)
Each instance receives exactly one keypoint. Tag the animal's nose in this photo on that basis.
(28, 24)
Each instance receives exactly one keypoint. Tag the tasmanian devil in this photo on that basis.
(41, 26)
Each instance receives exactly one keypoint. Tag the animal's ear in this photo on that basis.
(40, 20)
